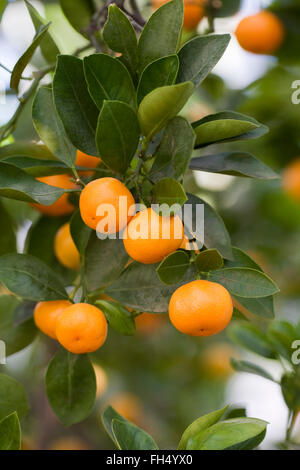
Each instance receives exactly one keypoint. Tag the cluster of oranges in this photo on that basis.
(199, 308)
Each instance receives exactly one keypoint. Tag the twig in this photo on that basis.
(10, 71)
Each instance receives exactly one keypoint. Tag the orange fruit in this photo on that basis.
(149, 237)
(111, 199)
(85, 160)
(262, 33)
(193, 12)
(62, 206)
(81, 328)
(291, 180)
(46, 314)
(65, 248)
(200, 308)
(148, 323)
(215, 360)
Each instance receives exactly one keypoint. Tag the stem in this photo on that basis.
(292, 420)
(10, 71)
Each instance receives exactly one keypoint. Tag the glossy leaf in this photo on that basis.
(7, 233)
(250, 337)
(248, 367)
(10, 433)
(175, 150)
(74, 105)
(26, 57)
(110, 255)
(281, 335)
(161, 34)
(209, 260)
(71, 387)
(80, 14)
(233, 434)
(233, 163)
(119, 35)
(108, 415)
(226, 126)
(48, 46)
(172, 269)
(169, 191)
(215, 232)
(130, 437)
(38, 166)
(108, 79)
(161, 72)
(16, 184)
(245, 282)
(161, 105)
(201, 424)
(50, 129)
(26, 149)
(16, 337)
(118, 317)
(12, 397)
(117, 135)
(140, 288)
(199, 56)
(290, 386)
(30, 278)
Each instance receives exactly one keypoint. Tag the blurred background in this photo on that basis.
(161, 379)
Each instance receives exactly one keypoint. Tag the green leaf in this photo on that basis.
(119, 35)
(117, 135)
(26, 58)
(242, 260)
(26, 149)
(30, 278)
(79, 15)
(199, 56)
(215, 233)
(16, 184)
(161, 72)
(108, 79)
(12, 397)
(48, 46)
(140, 288)
(209, 260)
(74, 105)
(7, 233)
(281, 335)
(15, 337)
(161, 35)
(161, 105)
(118, 317)
(130, 437)
(10, 433)
(169, 191)
(38, 166)
(232, 434)
(172, 269)
(71, 387)
(175, 150)
(223, 9)
(234, 163)
(244, 366)
(107, 416)
(245, 282)
(290, 386)
(3, 4)
(250, 337)
(110, 255)
(23, 312)
(80, 232)
(201, 424)
(50, 129)
(226, 126)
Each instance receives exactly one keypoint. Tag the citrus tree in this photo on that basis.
(111, 129)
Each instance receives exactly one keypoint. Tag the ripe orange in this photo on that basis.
(112, 200)
(193, 12)
(149, 237)
(291, 180)
(85, 160)
(65, 248)
(46, 314)
(148, 323)
(81, 328)
(200, 308)
(62, 206)
(262, 33)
